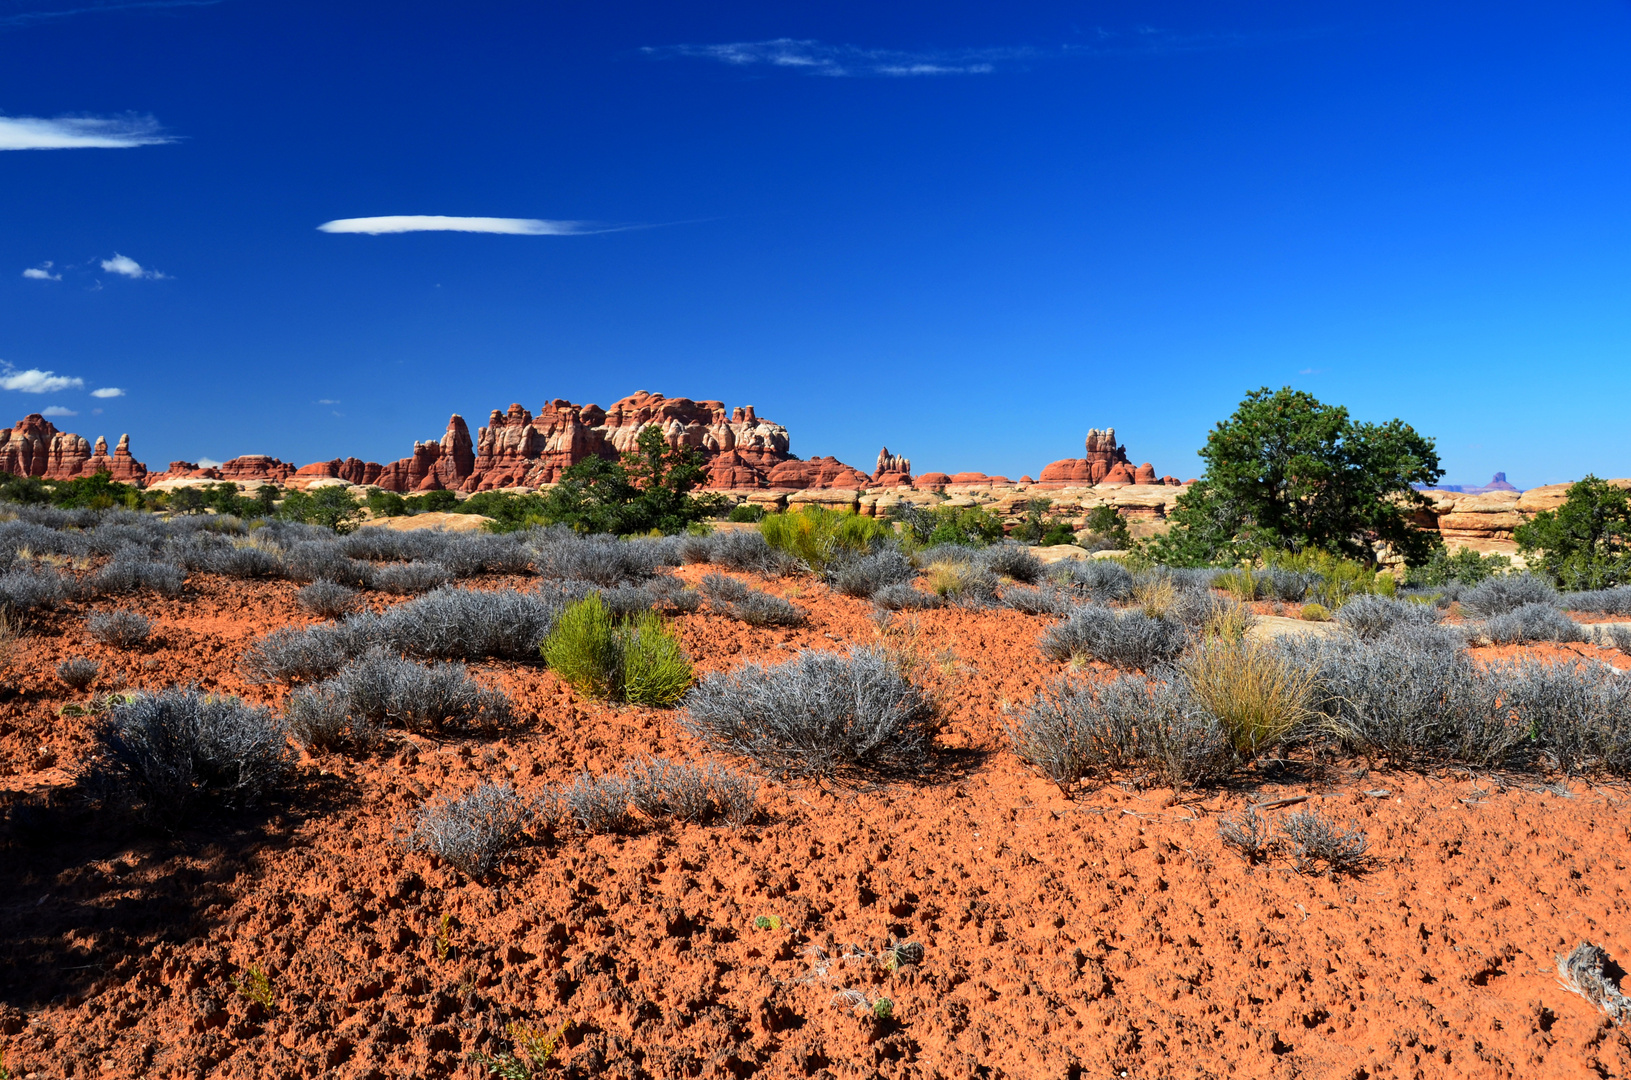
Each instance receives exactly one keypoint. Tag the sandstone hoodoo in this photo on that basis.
(34, 447)
(1106, 462)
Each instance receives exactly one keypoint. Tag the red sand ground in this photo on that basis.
(1110, 936)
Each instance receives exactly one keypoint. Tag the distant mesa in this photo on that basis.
(1499, 483)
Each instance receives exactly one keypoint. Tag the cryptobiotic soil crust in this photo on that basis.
(1108, 936)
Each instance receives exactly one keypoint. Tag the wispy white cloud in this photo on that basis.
(45, 12)
(810, 57)
(57, 410)
(126, 266)
(80, 132)
(107, 392)
(206, 463)
(42, 272)
(819, 58)
(403, 223)
(35, 381)
(328, 401)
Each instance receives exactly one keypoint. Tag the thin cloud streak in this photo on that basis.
(40, 15)
(125, 266)
(811, 57)
(80, 132)
(41, 272)
(405, 223)
(57, 410)
(108, 392)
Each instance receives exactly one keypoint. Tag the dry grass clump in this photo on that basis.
(78, 672)
(1155, 596)
(962, 582)
(1255, 692)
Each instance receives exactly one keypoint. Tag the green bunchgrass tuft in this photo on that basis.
(639, 661)
(655, 669)
(1256, 694)
(583, 648)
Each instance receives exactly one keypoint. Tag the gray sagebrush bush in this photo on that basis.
(474, 624)
(1129, 639)
(247, 562)
(1532, 622)
(1040, 600)
(328, 599)
(293, 654)
(177, 753)
(1014, 561)
(129, 572)
(762, 609)
(1500, 595)
(818, 714)
(472, 832)
(78, 672)
(1099, 580)
(1578, 715)
(380, 690)
(1615, 601)
(864, 575)
(325, 560)
(602, 560)
(32, 590)
(1618, 637)
(658, 789)
(414, 577)
(1370, 616)
(906, 597)
(120, 629)
(1312, 840)
(1155, 729)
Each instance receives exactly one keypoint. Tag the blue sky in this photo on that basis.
(969, 231)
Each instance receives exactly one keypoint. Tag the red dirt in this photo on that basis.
(1109, 936)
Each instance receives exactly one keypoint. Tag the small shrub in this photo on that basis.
(127, 574)
(327, 599)
(1129, 639)
(746, 512)
(246, 562)
(414, 577)
(314, 560)
(1577, 715)
(864, 576)
(474, 832)
(748, 552)
(719, 588)
(1288, 586)
(1615, 601)
(1372, 616)
(640, 661)
(319, 718)
(601, 560)
(1247, 834)
(79, 672)
(1618, 637)
(1100, 580)
(1013, 561)
(1036, 601)
(1533, 622)
(179, 751)
(962, 582)
(762, 609)
(1154, 729)
(472, 624)
(1501, 595)
(31, 590)
(905, 597)
(289, 654)
(1256, 693)
(583, 648)
(660, 790)
(624, 600)
(1312, 840)
(816, 715)
(1315, 613)
(120, 629)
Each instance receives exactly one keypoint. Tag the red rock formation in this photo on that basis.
(1106, 462)
(931, 480)
(34, 447)
(817, 473)
(894, 470)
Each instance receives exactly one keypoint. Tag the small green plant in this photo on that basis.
(256, 986)
(444, 935)
(387, 503)
(1257, 695)
(883, 1009)
(819, 536)
(901, 954)
(768, 922)
(1465, 566)
(96, 706)
(639, 661)
(746, 512)
(1316, 613)
(1106, 530)
(532, 1045)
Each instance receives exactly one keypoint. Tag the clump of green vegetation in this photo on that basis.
(818, 536)
(1316, 613)
(647, 490)
(1287, 472)
(883, 1009)
(532, 1047)
(638, 660)
(98, 491)
(222, 498)
(256, 986)
(1106, 531)
(1585, 543)
(1466, 566)
(331, 507)
(746, 512)
(1041, 528)
(768, 922)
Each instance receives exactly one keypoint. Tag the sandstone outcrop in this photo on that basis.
(894, 470)
(34, 447)
(1105, 462)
